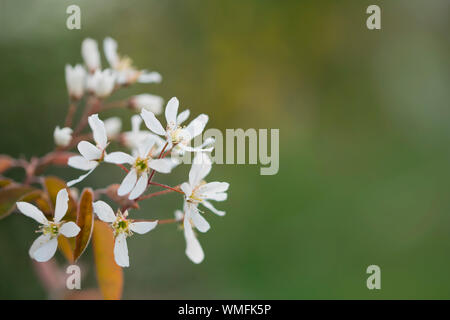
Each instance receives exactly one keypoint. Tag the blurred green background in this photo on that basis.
(364, 125)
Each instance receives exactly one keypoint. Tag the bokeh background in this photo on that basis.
(364, 125)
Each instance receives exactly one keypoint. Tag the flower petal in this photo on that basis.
(81, 178)
(119, 158)
(143, 227)
(201, 166)
(89, 151)
(146, 145)
(31, 211)
(199, 222)
(62, 199)
(121, 251)
(193, 250)
(196, 149)
(186, 188)
(79, 162)
(98, 130)
(196, 126)
(161, 165)
(140, 187)
(182, 117)
(218, 196)
(39, 242)
(69, 229)
(171, 112)
(103, 211)
(44, 250)
(213, 187)
(128, 183)
(208, 205)
(152, 123)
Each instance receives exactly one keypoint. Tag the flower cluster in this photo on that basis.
(146, 153)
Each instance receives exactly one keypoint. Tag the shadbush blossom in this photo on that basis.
(91, 155)
(145, 155)
(122, 228)
(44, 247)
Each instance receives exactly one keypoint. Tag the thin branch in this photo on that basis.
(155, 194)
(70, 114)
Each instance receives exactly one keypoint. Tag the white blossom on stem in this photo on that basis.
(197, 191)
(62, 136)
(44, 247)
(122, 228)
(91, 155)
(91, 54)
(142, 162)
(174, 132)
(75, 81)
(123, 66)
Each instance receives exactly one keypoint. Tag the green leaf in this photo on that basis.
(85, 220)
(109, 274)
(10, 195)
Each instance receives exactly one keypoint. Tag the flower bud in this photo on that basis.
(113, 126)
(147, 101)
(75, 79)
(62, 136)
(101, 83)
(91, 55)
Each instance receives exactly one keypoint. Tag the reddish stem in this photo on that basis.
(122, 167)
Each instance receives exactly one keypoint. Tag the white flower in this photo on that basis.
(136, 181)
(126, 73)
(101, 83)
(193, 250)
(174, 133)
(44, 247)
(90, 155)
(113, 126)
(147, 101)
(122, 228)
(198, 191)
(75, 81)
(136, 137)
(91, 55)
(62, 136)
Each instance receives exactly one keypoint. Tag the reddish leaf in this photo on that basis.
(52, 185)
(5, 182)
(85, 220)
(10, 195)
(109, 274)
(66, 246)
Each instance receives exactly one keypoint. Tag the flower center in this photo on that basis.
(176, 134)
(196, 197)
(141, 165)
(51, 229)
(121, 225)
